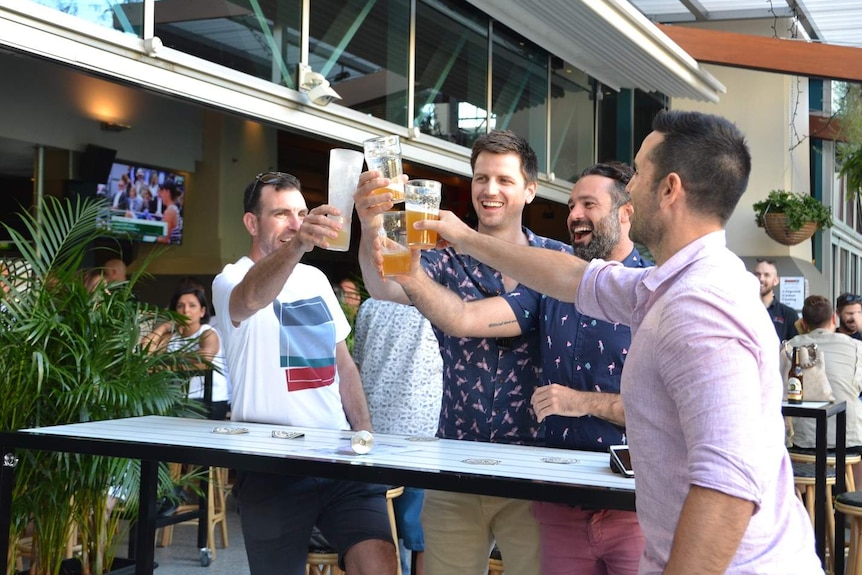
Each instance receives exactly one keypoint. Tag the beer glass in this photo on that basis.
(393, 235)
(421, 202)
(384, 155)
(344, 169)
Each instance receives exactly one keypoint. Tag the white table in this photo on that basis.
(575, 477)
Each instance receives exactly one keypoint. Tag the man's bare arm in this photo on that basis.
(557, 399)
(552, 273)
(709, 531)
(350, 387)
(488, 317)
(267, 277)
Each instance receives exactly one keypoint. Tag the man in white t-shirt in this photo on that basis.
(284, 335)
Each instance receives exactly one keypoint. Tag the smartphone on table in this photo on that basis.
(621, 461)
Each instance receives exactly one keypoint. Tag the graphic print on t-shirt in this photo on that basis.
(306, 343)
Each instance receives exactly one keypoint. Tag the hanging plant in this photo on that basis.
(790, 218)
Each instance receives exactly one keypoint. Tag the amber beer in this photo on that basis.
(393, 244)
(422, 202)
(420, 238)
(384, 155)
(794, 380)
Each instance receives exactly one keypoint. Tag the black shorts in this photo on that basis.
(277, 513)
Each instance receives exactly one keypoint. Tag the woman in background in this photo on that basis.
(195, 334)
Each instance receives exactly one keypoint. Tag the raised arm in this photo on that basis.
(552, 273)
(267, 277)
(489, 317)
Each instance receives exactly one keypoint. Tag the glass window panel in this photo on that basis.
(256, 37)
(124, 15)
(362, 49)
(572, 120)
(520, 89)
(451, 71)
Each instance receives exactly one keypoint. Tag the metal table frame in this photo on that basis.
(439, 465)
(821, 412)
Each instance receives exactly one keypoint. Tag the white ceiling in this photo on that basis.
(836, 22)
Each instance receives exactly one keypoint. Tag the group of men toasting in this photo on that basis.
(581, 347)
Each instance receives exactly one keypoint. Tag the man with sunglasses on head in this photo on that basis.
(783, 316)
(284, 334)
(849, 308)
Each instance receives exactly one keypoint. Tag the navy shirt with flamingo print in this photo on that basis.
(579, 352)
(487, 382)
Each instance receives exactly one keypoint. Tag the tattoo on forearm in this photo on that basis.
(500, 323)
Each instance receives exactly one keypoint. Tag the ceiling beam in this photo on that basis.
(697, 10)
(779, 55)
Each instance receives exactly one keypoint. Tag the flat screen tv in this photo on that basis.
(144, 203)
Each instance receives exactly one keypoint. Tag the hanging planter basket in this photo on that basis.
(776, 228)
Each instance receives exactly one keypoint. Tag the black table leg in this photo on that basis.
(840, 487)
(820, 487)
(145, 532)
(7, 481)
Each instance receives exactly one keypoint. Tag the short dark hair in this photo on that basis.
(710, 155)
(619, 172)
(281, 181)
(198, 293)
(171, 187)
(816, 311)
(846, 299)
(507, 142)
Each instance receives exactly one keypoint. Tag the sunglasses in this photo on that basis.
(846, 298)
(267, 178)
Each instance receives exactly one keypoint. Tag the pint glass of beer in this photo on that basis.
(421, 202)
(393, 236)
(384, 155)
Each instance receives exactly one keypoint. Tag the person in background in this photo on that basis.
(849, 308)
(701, 377)
(402, 374)
(487, 382)
(843, 371)
(196, 335)
(120, 199)
(154, 206)
(169, 194)
(285, 344)
(349, 295)
(582, 363)
(783, 316)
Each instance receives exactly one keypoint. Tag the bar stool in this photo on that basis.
(495, 562)
(804, 479)
(850, 504)
(850, 459)
(324, 561)
(216, 511)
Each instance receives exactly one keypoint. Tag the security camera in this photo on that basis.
(323, 94)
(316, 86)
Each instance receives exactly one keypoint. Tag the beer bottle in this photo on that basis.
(794, 380)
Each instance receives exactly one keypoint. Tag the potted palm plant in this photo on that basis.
(790, 218)
(72, 354)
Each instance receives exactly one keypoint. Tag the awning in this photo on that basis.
(611, 41)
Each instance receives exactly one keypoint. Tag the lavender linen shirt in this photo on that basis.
(702, 394)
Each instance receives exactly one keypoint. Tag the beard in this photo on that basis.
(605, 236)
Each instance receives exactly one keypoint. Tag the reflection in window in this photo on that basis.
(451, 71)
(572, 120)
(256, 37)
(124, 15)
(520, 89)
(362, 49)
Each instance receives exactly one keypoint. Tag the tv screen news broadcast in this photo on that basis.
(144, 204)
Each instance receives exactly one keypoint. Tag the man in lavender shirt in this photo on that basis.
(701, 389)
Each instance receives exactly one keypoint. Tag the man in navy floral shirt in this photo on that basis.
(579, 402)
(487, 382)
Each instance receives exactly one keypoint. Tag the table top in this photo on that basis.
(576, 477)
(813, 408)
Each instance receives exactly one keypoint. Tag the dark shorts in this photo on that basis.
(277, 513)
(408, 508)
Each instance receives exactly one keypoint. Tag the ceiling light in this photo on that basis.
(114, 127)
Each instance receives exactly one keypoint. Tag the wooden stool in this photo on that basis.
(495, 562)
(325, 561)
(850, 504)
(804, 479)
(216, 511)
(850, 459)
